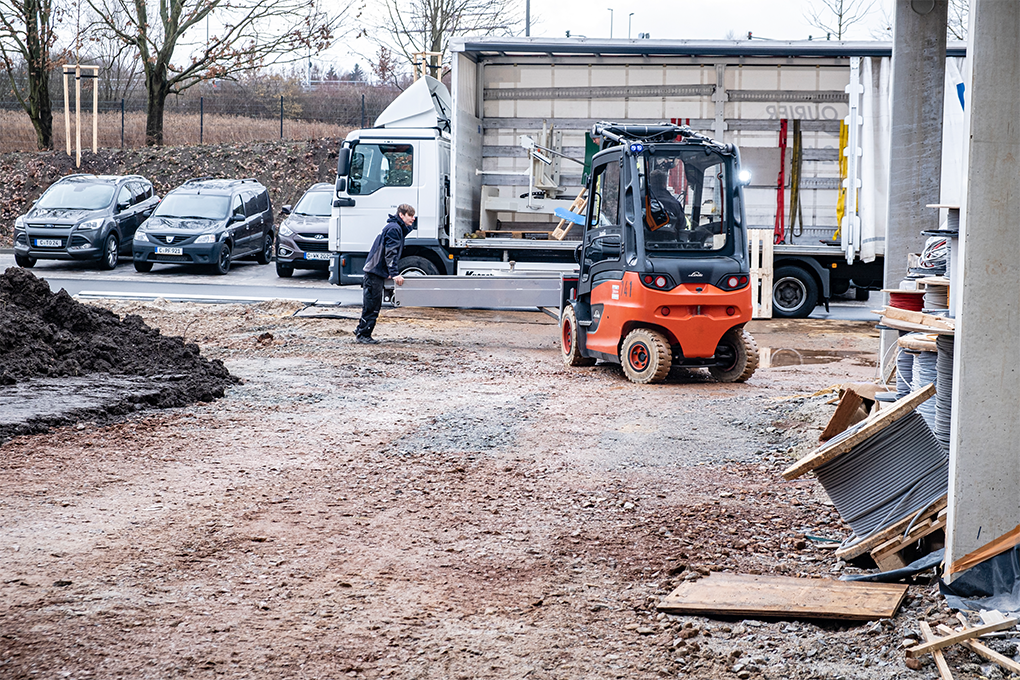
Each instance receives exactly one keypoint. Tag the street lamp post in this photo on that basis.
(610, 21)
(629, 17)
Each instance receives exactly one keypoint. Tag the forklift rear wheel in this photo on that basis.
(569, 340)
(646, 356)
(738, 355)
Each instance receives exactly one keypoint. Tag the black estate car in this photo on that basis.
(208, 222)
(84, 217)
(303, 241)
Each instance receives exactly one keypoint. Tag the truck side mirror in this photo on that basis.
(341, 184)
(343, 162)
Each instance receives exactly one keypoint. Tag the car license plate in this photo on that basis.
(48, 242)
(164, 250)
(316, 256)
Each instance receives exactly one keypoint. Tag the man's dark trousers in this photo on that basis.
(372, 289)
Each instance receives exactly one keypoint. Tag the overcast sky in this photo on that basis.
(662, 19)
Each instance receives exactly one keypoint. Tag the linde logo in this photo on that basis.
(698, 274)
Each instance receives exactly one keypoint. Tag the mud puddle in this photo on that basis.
(778, 357)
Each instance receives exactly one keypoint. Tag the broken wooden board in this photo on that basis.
(848, 413)
(986, 652)
(940, 660)
(887, 534)
(968, 634)
(866, 428)
(782, 596)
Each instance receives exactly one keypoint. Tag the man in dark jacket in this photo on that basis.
(381, 265)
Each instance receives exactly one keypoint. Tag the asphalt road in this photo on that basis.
(252, 282)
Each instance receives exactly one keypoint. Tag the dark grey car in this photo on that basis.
(303, 240)
(208, 222)
(84, 217)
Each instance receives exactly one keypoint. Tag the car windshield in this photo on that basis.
(194, 206)
(77, 196)
(315, 203)
(684, 200)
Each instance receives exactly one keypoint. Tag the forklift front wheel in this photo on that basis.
(738, 357)
(569, 340)
(646, 356)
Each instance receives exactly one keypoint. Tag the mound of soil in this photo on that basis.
(51, 335)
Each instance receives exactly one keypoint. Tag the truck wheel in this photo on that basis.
(415, 265)
(646, 356)
(738, 356)
(794, 293)
(861, 294)
(24, 261)
(569, 340)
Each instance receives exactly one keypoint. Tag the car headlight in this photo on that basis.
(19, 224)
(206, 238)
(90, 225)
(141, 236)
(285, 230)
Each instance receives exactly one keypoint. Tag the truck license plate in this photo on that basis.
(164, 250)
(316, 256)
(48, 242)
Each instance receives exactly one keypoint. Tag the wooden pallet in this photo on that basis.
(761, 272)
(576, 207)
(889, 534)
(894, 553)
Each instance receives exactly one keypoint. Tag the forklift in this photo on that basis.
(664, 273)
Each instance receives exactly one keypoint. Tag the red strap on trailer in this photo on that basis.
(780, 228)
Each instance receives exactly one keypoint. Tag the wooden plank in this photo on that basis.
(968, 634)
(866, 428)
(986, 652)
(929, 321)
(919, 531)
(560, 232)
(847, 413)
(987, 551)
(886, 534)
(940, 660)
(752, 595)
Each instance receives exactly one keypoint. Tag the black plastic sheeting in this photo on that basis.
(993, 584)
(926, 563)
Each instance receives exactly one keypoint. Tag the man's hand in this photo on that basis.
(398, 279)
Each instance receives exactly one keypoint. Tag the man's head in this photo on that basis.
(406, 214)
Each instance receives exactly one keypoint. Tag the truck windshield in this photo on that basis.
(374, 166)
(683, 200)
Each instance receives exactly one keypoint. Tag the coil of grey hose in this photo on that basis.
(944, 389)
(925, 373)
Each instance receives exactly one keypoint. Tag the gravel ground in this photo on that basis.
(452, 503)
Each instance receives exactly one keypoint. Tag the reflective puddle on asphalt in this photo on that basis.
(776, 357)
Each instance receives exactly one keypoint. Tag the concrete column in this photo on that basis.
(984, 459)
(915, 158)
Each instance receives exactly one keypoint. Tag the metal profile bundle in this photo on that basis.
(944, 389)
(885, 469)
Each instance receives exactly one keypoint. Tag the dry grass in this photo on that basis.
(17, 133)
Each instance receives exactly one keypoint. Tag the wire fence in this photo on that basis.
(209, 117)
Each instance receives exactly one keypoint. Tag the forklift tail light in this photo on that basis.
(658, 281)
(733, 281)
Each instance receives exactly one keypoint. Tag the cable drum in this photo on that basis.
(925, 372)
(904, 373)
(936, 298)
(897, 472)
(944, 389)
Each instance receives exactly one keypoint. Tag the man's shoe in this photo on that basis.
(366, 340)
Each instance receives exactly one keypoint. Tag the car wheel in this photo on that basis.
(284, 270)
(569, 340)
(143, 266)
(738, 357)
(794, 293)
(24, 261)
(415, 265)
(222, 265)
(646, 356)
(265, 255)
(111, 253)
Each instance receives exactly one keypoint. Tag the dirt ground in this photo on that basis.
(451, 503)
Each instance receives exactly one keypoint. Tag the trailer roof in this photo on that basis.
(476, 48)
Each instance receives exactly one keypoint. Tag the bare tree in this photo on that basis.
(959, 14)
(178, 49)
(28, 38)
(835, 17)
(118, 60)
(428, 25)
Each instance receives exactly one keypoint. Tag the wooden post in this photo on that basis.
(77, 115)
(95, 109)
(67, 114)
